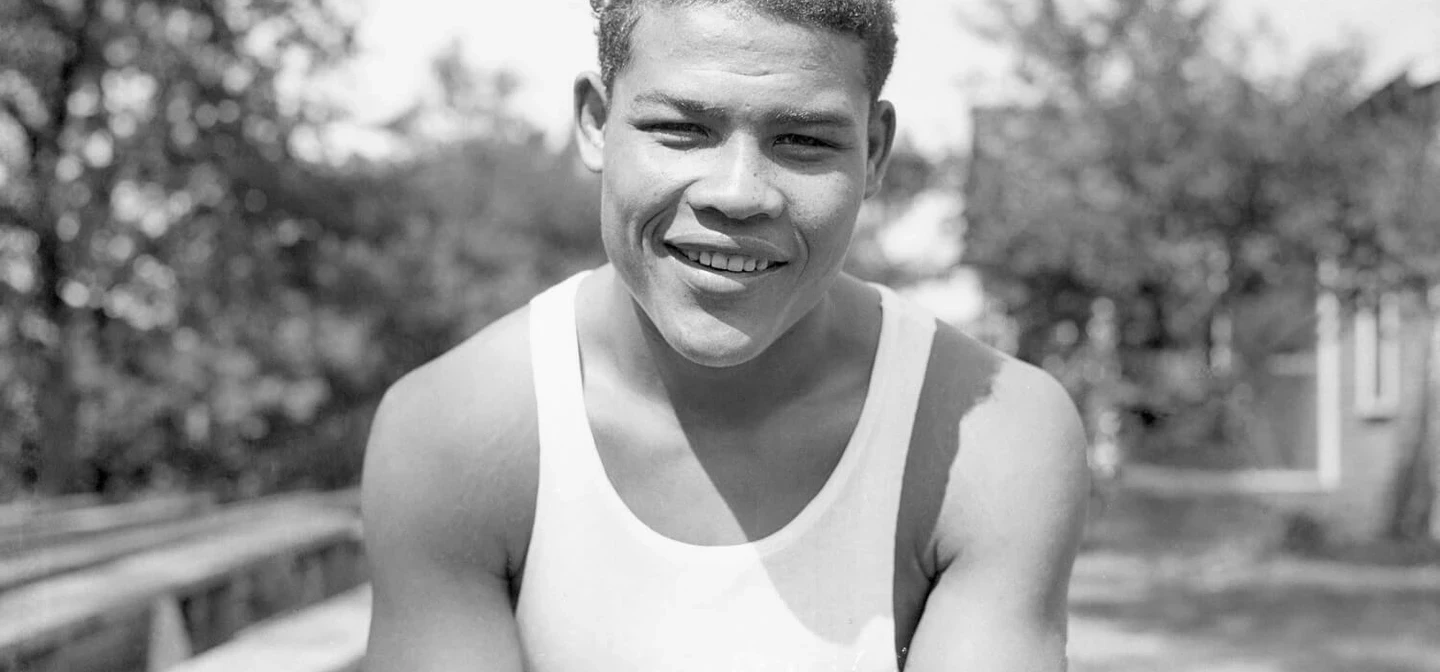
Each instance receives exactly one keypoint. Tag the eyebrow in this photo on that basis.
(799, 116)
(686, 105)
(787, 116)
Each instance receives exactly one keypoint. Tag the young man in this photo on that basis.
(718, 452)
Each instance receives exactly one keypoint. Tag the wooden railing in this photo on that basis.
(48, 527)
(327, 637)
(151, 596)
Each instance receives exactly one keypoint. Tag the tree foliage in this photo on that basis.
(150, 154)
(189, 293)
(1155, 169)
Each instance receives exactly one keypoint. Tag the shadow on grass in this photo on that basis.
(1299, 628)
(1211, 573)
(1261, 614)
(1359, 663)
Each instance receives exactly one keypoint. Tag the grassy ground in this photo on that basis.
(1189, 587)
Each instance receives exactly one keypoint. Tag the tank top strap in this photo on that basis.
(555, 364)
(905, 355)
(900, 364)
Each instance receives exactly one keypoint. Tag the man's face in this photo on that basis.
(734, 164)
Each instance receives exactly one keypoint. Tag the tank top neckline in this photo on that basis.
(588, 461)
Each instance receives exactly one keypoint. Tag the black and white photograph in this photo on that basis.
(719, 336)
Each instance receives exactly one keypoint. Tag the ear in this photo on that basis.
(591, 107)
(880, 138)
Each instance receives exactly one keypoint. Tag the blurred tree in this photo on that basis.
(1155, 170)
(909, 175)
(497, 214)
(193, 291)
(1147, 171)
(1372, 207)
(471, 218)
(153, 207)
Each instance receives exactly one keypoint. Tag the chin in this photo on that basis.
(715, 345)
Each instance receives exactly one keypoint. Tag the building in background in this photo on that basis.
(1370, 363)
(1325, 396)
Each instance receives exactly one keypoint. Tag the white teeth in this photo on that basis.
(734, 263)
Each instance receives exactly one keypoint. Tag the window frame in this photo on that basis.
(1377, 335)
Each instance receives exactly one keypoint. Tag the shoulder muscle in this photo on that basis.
(447, 498)
(1021, 470)
(451, 462)
(1009, 522)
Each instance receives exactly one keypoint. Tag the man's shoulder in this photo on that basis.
(452, 451)
(982, 410)
(990, 385)
(471, 395)
(991, 432)
(1017, 439)
(997, 418)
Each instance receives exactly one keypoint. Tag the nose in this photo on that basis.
(738, 184)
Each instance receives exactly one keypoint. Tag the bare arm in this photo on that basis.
(444, 493)
(1008, 533)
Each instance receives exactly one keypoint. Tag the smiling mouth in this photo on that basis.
(735, 264)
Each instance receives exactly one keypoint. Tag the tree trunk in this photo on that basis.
(1432, 376)
(1414, 497)
(57, 397)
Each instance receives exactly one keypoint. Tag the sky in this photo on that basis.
(546, 42)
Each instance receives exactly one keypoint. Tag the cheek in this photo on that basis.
(825, 215)
(636, 188)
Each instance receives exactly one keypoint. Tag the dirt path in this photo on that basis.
(1220, 612)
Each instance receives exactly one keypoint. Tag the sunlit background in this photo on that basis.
(227, 227)
(942, 68)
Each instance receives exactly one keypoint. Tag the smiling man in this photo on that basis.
(719, 451)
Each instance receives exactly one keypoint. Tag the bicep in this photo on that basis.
(984, 618)
(424, 624)
(441, 600)
(425, 619)
(1009, 530)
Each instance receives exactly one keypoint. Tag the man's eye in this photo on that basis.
(803, 141)
(676, 132)
(805, 148)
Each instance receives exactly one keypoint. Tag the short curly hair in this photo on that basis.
(871, 21)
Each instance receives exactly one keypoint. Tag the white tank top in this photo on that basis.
(603, 592)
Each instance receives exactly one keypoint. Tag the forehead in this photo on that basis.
(728, 48)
